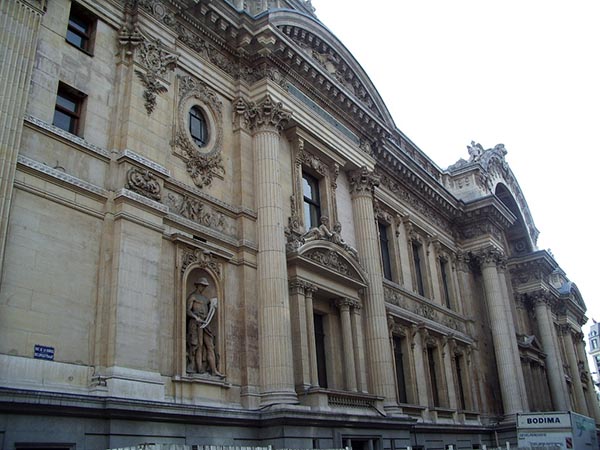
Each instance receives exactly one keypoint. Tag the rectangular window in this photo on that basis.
(81, 27)
(400, 378)
(594, 343)
(433, 376)
(68, 108)
(417, 251)
(312, 201)
(445, 286)
(385, 251)
(320, 345)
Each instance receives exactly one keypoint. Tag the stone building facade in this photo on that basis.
(213, 233)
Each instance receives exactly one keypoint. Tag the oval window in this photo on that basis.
(198, 128)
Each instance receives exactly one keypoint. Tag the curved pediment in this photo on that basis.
(337, 71)
(571, 291)
(326, 257)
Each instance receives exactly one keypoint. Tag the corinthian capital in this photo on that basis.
(491, 256)
(264, 115)
(363, 181)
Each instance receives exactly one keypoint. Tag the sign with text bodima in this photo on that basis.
(556, 430)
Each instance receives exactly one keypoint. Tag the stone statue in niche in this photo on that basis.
(202, 356)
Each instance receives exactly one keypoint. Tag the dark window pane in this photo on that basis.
(79, 24)
(385, 252)
(66, 103)
(64, 121)
(75, 39)
(312, 201)
(198, 129)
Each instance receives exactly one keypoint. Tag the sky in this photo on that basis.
(522, 73)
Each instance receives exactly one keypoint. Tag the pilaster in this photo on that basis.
(19, 25)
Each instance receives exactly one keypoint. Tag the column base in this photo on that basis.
(271, 398)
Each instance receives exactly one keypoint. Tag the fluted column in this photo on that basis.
(510, 323)
(310, 333)
(265, 120)
(419, 347)
(379, 355)
(343, 305)
(501, 336)
(357, 341)
(571, 351)
(592, 400)
(554, 367)
(19, 24)
(299, 334)
(449, 360)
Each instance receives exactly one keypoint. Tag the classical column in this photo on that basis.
(343, 305)
(266, 120)
(510, 323)
(357, 342)
(505, 361)
(555, 371)
(571, 351)
(379, 354)
(299, 334)
(419, 348)
(19, 24)
(592, 401)
(310, 333)
(449, 359)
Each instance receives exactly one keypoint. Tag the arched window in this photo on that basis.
(198, 128)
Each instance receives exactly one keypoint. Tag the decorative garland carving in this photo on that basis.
(156, 61)
(202, 163)
(201, 167)
(143, 182)
(331, 260)
(203, 258)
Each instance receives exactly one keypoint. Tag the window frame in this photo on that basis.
(86, 18)
(311, 206)
(197, 112)
(417, 260)
(445, 276)
(385, 250)
(75, 115)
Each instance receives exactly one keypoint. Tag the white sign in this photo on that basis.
(544, 421)
(555, 440)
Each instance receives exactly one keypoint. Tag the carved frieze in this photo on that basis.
(200, 212)
(416, 203)
(143, 182)
(331, 62)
